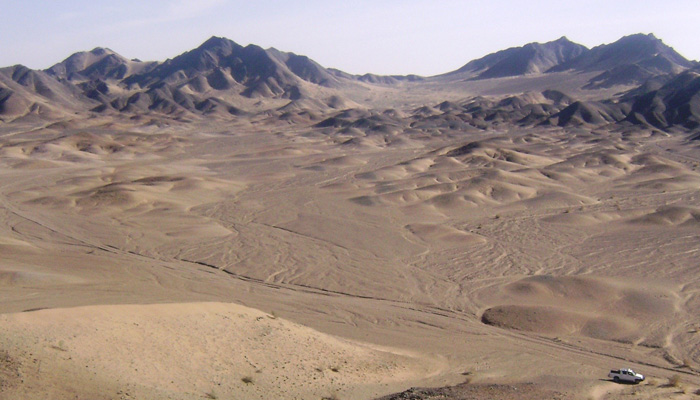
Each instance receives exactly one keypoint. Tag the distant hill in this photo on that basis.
(99, 63)
(631, 60)
(24, 91)
(645, 51)
(225, 65)
(529, 59)
(653, 86)
(676, 103)
(201, 81)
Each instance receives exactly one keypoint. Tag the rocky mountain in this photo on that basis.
(305, 68)
(376, 79)
(676, 103)
(658, 88)
(646, 51)
(24, 91)
(99, 63)
(205, 80)
(631, 60)
(532, 58)
(221, 64)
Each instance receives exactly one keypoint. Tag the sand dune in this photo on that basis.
(439, 235)
(671, 216)
(559, 240)
(578, 305)
(233, 349)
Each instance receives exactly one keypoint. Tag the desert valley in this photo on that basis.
(244, 223)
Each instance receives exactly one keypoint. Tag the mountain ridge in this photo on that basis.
(528, 59)
(631, 49)
(224, 79)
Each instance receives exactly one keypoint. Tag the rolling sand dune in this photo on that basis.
(584, 306)
(409, 265)
(234, 350)
(671, 216)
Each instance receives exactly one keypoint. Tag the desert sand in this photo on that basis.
(350, 252)
(526, 256)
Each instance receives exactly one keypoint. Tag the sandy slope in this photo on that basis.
(190, 350)
(542, 256)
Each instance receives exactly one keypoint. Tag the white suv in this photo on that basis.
(625, 375)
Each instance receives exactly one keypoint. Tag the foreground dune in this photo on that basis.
(188, 351)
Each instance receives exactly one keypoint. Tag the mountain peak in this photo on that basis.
(96, 63)
(218, 42)
(640, 38)
(100, 51)
(531, 58)
(637, 49)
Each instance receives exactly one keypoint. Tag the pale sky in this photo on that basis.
(425, 37)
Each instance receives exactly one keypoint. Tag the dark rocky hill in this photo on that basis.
(658, 88)
(529, 59)
(676, 103)
(99, 63)
(645, 51)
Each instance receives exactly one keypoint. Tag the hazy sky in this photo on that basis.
(425, 37)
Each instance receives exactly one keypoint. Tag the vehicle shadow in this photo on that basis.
(618, 382)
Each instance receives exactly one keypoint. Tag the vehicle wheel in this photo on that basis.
(616, 379)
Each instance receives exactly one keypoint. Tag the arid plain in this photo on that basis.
(515, 233)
